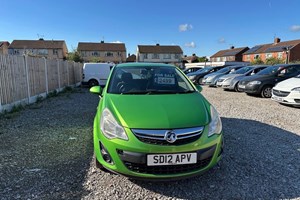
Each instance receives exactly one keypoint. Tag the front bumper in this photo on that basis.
(251, 89)
(129, 158)
(228, 85)
(293, 98)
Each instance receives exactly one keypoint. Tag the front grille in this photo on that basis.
(297, 100)
(167, 169)
(157, 137)
(280, 93)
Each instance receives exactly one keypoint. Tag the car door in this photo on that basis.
(286, 73)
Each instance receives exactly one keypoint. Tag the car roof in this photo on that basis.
(286, 65)
(142, 64)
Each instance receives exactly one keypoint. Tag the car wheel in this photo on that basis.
(236, 87)
(199, 81)
(266, 92)
(93, 82)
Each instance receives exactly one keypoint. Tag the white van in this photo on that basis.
(96, 73)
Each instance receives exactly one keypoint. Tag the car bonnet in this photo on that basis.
(158, 111)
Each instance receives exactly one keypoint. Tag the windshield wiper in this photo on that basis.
(187, 91)
(135, 92)
(161, 92)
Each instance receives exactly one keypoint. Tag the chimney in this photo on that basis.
(232, 47)
(276, 40)
(157, 44)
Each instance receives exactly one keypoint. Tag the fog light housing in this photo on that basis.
(105, 155)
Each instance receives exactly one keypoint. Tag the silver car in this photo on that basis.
(230, 81)
(211, 79)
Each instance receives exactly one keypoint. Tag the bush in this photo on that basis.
(257, 61)
(274, 61)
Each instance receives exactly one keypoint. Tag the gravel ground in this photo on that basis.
(46, 153)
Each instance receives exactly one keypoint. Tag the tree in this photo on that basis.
(95, 60)
(202, 59)
(274, 61)
(257, 61)
(74, 56)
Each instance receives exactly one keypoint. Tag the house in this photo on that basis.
(102, 52)
(190, 59)
(287, 51)
(233, 54)
(4, 47)
(159, 54)
(53, 49)
(131, 58)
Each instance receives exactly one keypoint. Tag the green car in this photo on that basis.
(153, 123)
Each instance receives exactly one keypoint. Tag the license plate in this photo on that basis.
(277, 98)
(242, 86)
(171, 159)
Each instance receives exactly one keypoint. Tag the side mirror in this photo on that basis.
(199, 88)
(96, 90)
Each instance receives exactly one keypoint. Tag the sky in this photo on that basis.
(202, 27)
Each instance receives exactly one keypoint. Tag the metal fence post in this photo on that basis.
(46, 76)
(27, 77)
(74, 74)
(58, 74)
(1, 109)
(68, 72)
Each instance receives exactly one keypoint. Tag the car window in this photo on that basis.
(224, 70)
(289, 71)
(242, 70)
(206, 69)
(256, 70)
(270, 70)
(142, 80)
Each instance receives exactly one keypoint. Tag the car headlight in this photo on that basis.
(227, 80)
(215, 125)
(254, 83)
(297, 89)
(110, 127)
(191, 77)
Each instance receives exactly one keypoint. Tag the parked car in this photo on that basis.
(96, 73)
(263, 82)
(211, 79)
(138, 132)
(196, 77)
(191, 69)
(230, 81)
(287, 92)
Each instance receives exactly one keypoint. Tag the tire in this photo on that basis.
(236, 87)
(266, 92)
(199, 81)
(93, 82)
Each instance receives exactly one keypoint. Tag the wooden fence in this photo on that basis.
(24, 78)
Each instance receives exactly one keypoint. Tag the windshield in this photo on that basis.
(204, 70)
(269, 70)
(148, 80)
(224, 70)
(242, 70)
